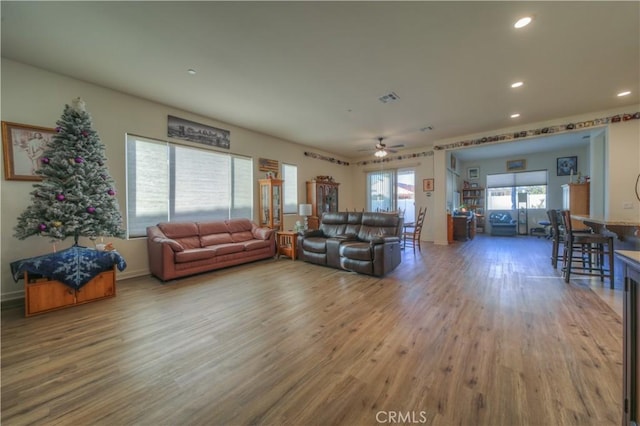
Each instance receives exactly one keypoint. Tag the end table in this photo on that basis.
(286, 242)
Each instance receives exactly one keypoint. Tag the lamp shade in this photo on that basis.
(304, 209)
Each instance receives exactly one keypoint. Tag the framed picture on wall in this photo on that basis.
(427, 185)
(473, 173)
(567, 165)
(515, 165)
(23, 146)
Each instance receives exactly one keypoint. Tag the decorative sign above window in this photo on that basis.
(179, 128)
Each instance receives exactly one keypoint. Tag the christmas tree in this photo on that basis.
(77, 195)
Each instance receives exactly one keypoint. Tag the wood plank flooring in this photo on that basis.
(476, 333)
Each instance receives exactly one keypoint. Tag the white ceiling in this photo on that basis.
(312, 72)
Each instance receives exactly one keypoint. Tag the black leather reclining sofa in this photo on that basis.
(364, 242)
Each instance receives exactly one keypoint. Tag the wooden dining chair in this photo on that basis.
(411, 233)
(557, 236)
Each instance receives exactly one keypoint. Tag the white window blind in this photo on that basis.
(290, 188)
(381, 190)
(503, 180)
(169, 182)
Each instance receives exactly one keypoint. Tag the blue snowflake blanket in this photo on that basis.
(74, 266)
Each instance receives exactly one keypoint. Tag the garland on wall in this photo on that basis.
(325, 158)
(395, 158)
(562, 128)
(542, 131)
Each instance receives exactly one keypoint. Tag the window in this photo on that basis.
(502, 190)
(290, 188)
(381, 191)
(174, 182)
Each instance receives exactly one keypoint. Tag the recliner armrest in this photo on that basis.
(313, 233)
(384, 240)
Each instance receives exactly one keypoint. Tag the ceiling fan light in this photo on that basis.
(380, 153)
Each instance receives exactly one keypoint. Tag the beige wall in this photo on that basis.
(623, 166)
(37, 97)
(34, 96)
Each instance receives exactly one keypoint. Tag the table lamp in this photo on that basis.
(304, 210)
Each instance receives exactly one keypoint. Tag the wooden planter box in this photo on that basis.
(44, 295)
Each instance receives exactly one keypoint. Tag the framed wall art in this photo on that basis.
(473, 173)
(23, 146)
(191, 131)
(515, 165)
(427, 185)
(567, 165)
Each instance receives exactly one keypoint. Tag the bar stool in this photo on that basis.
(583, 248)
(557, 236)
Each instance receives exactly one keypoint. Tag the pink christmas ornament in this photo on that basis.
(60, 197)
(78, 160)
(91, 210)
(42, 227)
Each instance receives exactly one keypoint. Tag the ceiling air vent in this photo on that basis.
(389, 97)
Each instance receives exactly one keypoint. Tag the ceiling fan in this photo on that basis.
(382, 149)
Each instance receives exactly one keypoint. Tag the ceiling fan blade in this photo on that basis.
(400, 145)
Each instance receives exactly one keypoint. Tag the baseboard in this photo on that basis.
(132, 274)
(12, 304)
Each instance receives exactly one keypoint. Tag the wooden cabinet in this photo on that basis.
(323, 197)
(575, 198)
(270, 203)
(44, 295)
(464, 227)
(631, 336)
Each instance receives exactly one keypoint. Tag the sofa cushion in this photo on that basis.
(333, 224)
(213, 227)
(213, 239)
(195, 254)
(354, 219)
(189, 242)
(315, 244)
(256, 244)
(356, 250)
(238, 225)
(376, 225)
(239, 237)
(176, 230)
(227, 248)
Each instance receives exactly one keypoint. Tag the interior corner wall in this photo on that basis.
(37, 97)
(623, 155)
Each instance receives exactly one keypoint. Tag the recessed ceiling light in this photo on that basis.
(516, 115)
(191, 71)
(625, 93)
(522, 22)
(517, 84)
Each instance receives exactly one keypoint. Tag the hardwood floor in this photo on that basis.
(477, 333)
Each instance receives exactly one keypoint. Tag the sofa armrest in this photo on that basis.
(385, 240)
(262, 233)
(313, 233)
(175, 246)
